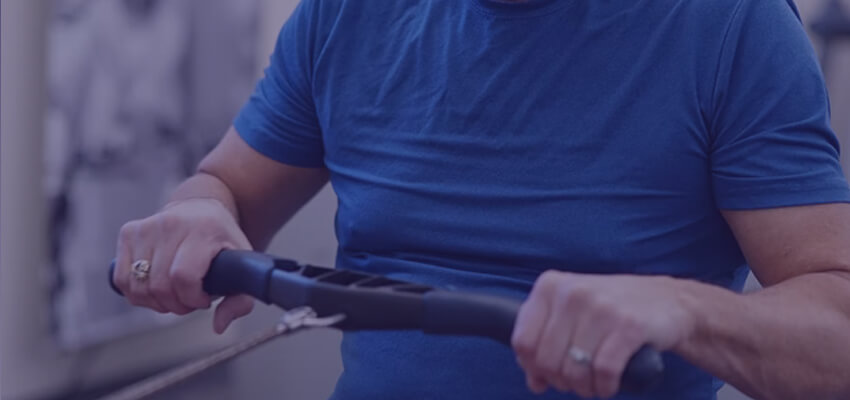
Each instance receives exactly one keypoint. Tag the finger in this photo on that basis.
(231, 308)
(190, 265)
(161, 287)
(121, 272)
(595, 323)
(613, 355)
(555, 339)
(536, 384)
(139, 293)
(531, 320)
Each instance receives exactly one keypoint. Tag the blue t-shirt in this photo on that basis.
(477, 143)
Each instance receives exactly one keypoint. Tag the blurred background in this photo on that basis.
(106, 105)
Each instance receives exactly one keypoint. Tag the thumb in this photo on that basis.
(231, 308)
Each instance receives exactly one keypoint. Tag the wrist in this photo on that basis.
(701, 302)
(204, 187)
(207, 200)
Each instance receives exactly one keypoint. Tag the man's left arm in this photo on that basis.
(790, 340)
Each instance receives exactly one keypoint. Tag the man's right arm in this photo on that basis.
(262, 194)
(238, 199)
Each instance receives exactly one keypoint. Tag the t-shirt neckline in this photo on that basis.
(525, 8)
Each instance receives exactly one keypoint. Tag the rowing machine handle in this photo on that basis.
(453, 313)
(372, 302)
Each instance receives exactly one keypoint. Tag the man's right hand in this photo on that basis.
(180, 242)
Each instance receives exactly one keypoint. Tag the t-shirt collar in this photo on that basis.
(518, 8)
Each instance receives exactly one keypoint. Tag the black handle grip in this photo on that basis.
(644, 371)
(372, 302)
(231, 272)
(456, 313)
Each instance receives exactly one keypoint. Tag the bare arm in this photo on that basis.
(788, 341)
(238, 199)
(792, 339)
(262, 194)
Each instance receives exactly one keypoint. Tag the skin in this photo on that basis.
(237, 200)
(788, 341)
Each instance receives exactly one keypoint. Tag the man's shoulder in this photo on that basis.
(708, 20)
(707, 11)
(730, 9)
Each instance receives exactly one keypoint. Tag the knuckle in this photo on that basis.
(523, 345)
(580, 296)
(577, 377)
(547, 366)
(548, 280)
(562, 295)
(209, 227)
(631, 328)
(121, 282)
(168, 222)
(146, 228)
(128, 232)
(194, 300)
(584, 391)
(181, 310)
(132, 299)
(570, 375)
(203, 301)
(579, 381)
(606, 391)
(184, 278)
(605, 370)
(138, 291)
(606, 383)
(559, 384)
(606, 309)
(547, 362)
(138, 300)
(160, 290)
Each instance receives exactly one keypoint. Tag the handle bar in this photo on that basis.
(373, 302)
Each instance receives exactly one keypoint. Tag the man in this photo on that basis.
(637, 151)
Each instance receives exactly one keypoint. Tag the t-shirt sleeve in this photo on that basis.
(771, 145)
(279, 120)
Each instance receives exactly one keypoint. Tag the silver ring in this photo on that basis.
(579, 356)
(141, 269)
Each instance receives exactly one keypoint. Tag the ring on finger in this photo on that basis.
(141, 269)
(579, 356)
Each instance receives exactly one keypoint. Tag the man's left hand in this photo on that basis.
(577, 332)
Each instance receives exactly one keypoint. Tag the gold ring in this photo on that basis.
(141, 269)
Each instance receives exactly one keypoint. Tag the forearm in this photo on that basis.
(260, 193)
(206, 186)
(789, 341)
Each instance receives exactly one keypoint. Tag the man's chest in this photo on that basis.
(554, 151)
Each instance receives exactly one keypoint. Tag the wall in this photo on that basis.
(837, 71)
(33, 366)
